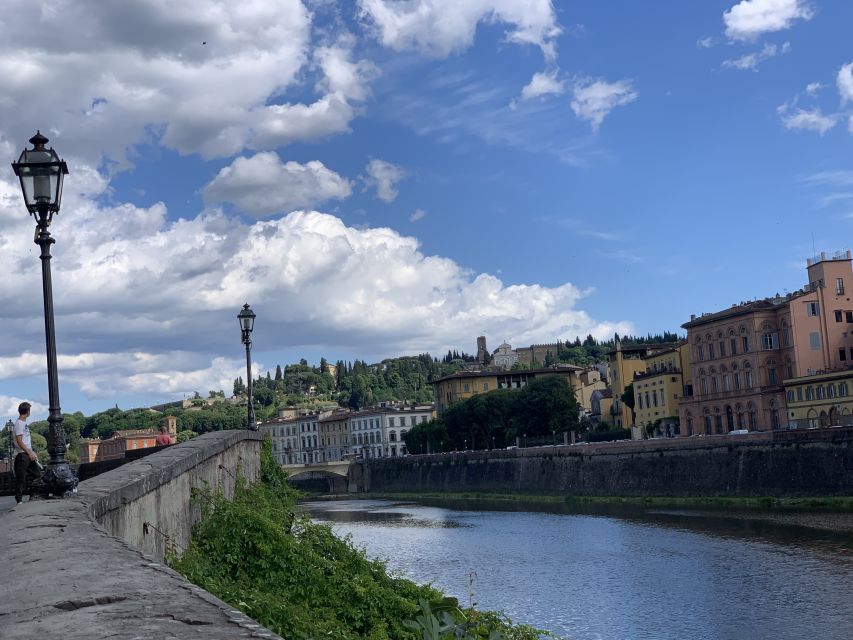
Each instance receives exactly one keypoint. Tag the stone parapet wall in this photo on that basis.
(725, 466)
(77, 565)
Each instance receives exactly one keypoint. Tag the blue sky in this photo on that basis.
(381, 178)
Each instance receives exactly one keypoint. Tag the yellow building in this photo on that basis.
(466, 384)
(822, 400)
(658, 389)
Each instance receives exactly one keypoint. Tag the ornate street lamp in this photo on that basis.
(246, 317)
(41, 172)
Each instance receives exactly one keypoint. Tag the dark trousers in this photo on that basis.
(26, 471)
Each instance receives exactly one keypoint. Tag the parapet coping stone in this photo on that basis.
(75, 581)
(127, 483)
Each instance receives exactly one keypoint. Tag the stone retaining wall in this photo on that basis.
(88, 566)
(724, 466)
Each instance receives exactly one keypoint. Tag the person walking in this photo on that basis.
(26, 460)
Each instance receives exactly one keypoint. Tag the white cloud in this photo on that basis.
(341, 76)
(813, 87)
(384, 176)
(705, 43)
(9, 408)
(844, 80)
(262, 185)
(749, 19)
(594, 99)
(750, 62)
(440, 28)
(418, 214)
(204, 77)
(543, 83)
(144, 305)
(807, 119)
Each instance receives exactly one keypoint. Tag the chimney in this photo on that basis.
(692, 317)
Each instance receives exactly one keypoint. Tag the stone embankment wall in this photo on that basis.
(88, 566)
(692, 467)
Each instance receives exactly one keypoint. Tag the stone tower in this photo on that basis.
(482, 353)
(171, 423)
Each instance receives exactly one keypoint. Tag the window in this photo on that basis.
(812, 308)
(770, 341)
(655, 398)
(648, 403)
(640, 401)
(733, 345)
(465, 387)
(790, 396)
(737, 381)
(799, 394)
(786, 337)
(748, 379)
(745, 341)
(809, 393)
(814, 341)
(842, 389)
(849, 316)
(485, 386)
(722, 348)
(714, 387)
(839, 286)
(701, 353)
(842, 354)
(838, 316)
(821, 392)
(711, 351)
(726, 385)
(703, 383)
(830, 391)
(771, 376)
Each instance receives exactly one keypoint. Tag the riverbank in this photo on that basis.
(827, 513)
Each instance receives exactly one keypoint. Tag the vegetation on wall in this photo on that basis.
(301, 581)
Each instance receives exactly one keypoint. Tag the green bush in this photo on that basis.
(300, 580)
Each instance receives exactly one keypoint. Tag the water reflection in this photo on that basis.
(611, 571)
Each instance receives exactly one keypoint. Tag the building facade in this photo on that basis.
(658, 389)
(824, 400)
(334, 435)
(740, 356)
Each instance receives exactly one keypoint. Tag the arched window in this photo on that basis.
(707, 420)
(747, 375)
(718, 420)
(732, 343)
(739, 410)
(753, 421)
(771, 372)
(730, 418)
(774, 414)
(689, 424)
(726, 382)
(842, 389)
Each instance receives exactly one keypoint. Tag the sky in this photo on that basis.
(390, 177)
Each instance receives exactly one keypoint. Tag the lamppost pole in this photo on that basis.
(246, 318)
(10, 427)
(41, 172)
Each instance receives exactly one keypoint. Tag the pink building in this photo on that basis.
(741, 355)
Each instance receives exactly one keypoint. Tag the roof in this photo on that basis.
(766, 304)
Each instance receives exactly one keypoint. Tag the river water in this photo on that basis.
(617, 573)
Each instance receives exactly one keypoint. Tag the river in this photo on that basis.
(617, 573)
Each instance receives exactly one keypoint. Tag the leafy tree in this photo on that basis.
(546, 404)
(628, 398)
(183, 436)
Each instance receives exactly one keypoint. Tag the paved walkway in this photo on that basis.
(6, 503)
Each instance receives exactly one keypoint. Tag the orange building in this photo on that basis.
(95, 450)
(740, 356)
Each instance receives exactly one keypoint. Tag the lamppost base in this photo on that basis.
(55, 482)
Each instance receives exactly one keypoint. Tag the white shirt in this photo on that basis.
(22, 429)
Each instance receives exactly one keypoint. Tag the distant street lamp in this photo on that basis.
(41, 171)
(247, 323)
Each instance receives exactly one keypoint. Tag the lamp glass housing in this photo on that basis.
(41, 172)
(246, 317)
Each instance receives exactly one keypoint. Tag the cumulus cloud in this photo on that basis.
(263, 185)
(384, 176)
(798, 119)
(543, 83)
(204, 77)
(418, 214)
(593, 100)
(749, 19)
(146, 305)
(844, 80)
(750, 61)
(440, 28)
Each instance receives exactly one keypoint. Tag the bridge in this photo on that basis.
(321, 477)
